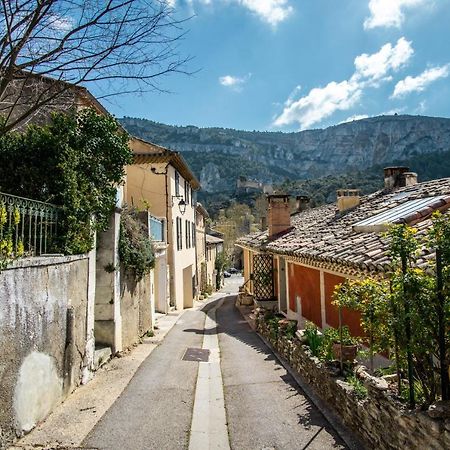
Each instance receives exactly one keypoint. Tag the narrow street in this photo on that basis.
(172, 404)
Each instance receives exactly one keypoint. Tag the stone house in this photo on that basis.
(302, 257)
(214, 246)
(161, 182)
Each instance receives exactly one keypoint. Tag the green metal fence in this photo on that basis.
(27, 227)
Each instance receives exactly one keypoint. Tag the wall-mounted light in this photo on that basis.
(181, 204)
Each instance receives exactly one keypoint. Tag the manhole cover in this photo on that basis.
(196, 354)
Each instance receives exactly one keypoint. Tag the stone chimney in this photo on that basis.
(409, 178)
(394, 177)
(301, 202)
(347, 199)
(279, 214)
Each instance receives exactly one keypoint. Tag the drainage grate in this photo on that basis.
(196, 354)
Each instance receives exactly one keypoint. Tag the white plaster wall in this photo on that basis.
(42, 356)
(38, 375)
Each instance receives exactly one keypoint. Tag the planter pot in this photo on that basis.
(348, 352)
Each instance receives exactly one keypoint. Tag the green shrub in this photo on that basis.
(75, 162)
(314, 339)
(359, 389)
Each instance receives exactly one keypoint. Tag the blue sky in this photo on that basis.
(287, 65)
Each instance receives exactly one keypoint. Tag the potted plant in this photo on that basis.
(345, 346)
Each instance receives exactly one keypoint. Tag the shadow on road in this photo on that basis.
(230, 322)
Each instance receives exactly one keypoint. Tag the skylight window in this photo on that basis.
(381, 222)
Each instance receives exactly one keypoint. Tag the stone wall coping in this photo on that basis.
(43, 261)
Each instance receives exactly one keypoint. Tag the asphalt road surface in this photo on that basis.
(265, 409)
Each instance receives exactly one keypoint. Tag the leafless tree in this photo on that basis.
(48, 47)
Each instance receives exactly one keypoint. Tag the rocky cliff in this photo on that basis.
(218, 156)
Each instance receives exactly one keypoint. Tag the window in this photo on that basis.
(179, 234)
(186, 192)
(187, 233)
(177, 183)
(194, 243)
(193, 198)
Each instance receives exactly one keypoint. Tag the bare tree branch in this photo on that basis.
(131, 43)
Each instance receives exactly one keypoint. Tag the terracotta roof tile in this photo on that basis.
(322, 234)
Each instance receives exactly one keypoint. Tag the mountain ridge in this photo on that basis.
(219, 156)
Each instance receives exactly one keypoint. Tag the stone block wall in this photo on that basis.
(379, 420)
(44, 338)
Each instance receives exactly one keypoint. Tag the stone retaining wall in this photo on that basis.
(379, 420)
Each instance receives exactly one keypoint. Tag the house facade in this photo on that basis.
(161, 182)
(200, 226)
(214, 246)
(302, 257)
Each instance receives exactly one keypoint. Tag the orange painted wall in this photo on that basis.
(305, 283)
(350, 318)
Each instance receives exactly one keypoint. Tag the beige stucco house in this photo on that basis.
(201, 218)
(161, 182)
(214, 246)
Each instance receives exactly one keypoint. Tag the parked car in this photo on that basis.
(233, 270)
(226, 274)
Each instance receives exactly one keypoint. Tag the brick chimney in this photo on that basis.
(279, 214)
(347, 199)
(394, 177)
(301, 202)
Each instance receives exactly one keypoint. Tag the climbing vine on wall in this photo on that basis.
(135, 246)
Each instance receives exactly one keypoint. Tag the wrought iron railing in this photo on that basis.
(27, 227)
(156, 228)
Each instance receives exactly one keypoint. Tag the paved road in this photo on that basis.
(265, 408)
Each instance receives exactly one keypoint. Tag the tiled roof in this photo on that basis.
(322, 235)
(213, 239)
(148, 153)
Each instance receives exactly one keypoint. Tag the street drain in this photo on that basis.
(196, 354)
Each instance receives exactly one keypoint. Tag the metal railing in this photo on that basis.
(156, 227)
(27, 227)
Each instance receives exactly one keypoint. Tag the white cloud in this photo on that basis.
(421, 82)
(322, 102)
(389, 13)
(235, 83)
(355, 117)
(272, 12)
(377, 65)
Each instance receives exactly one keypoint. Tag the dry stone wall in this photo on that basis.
(379, 420)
